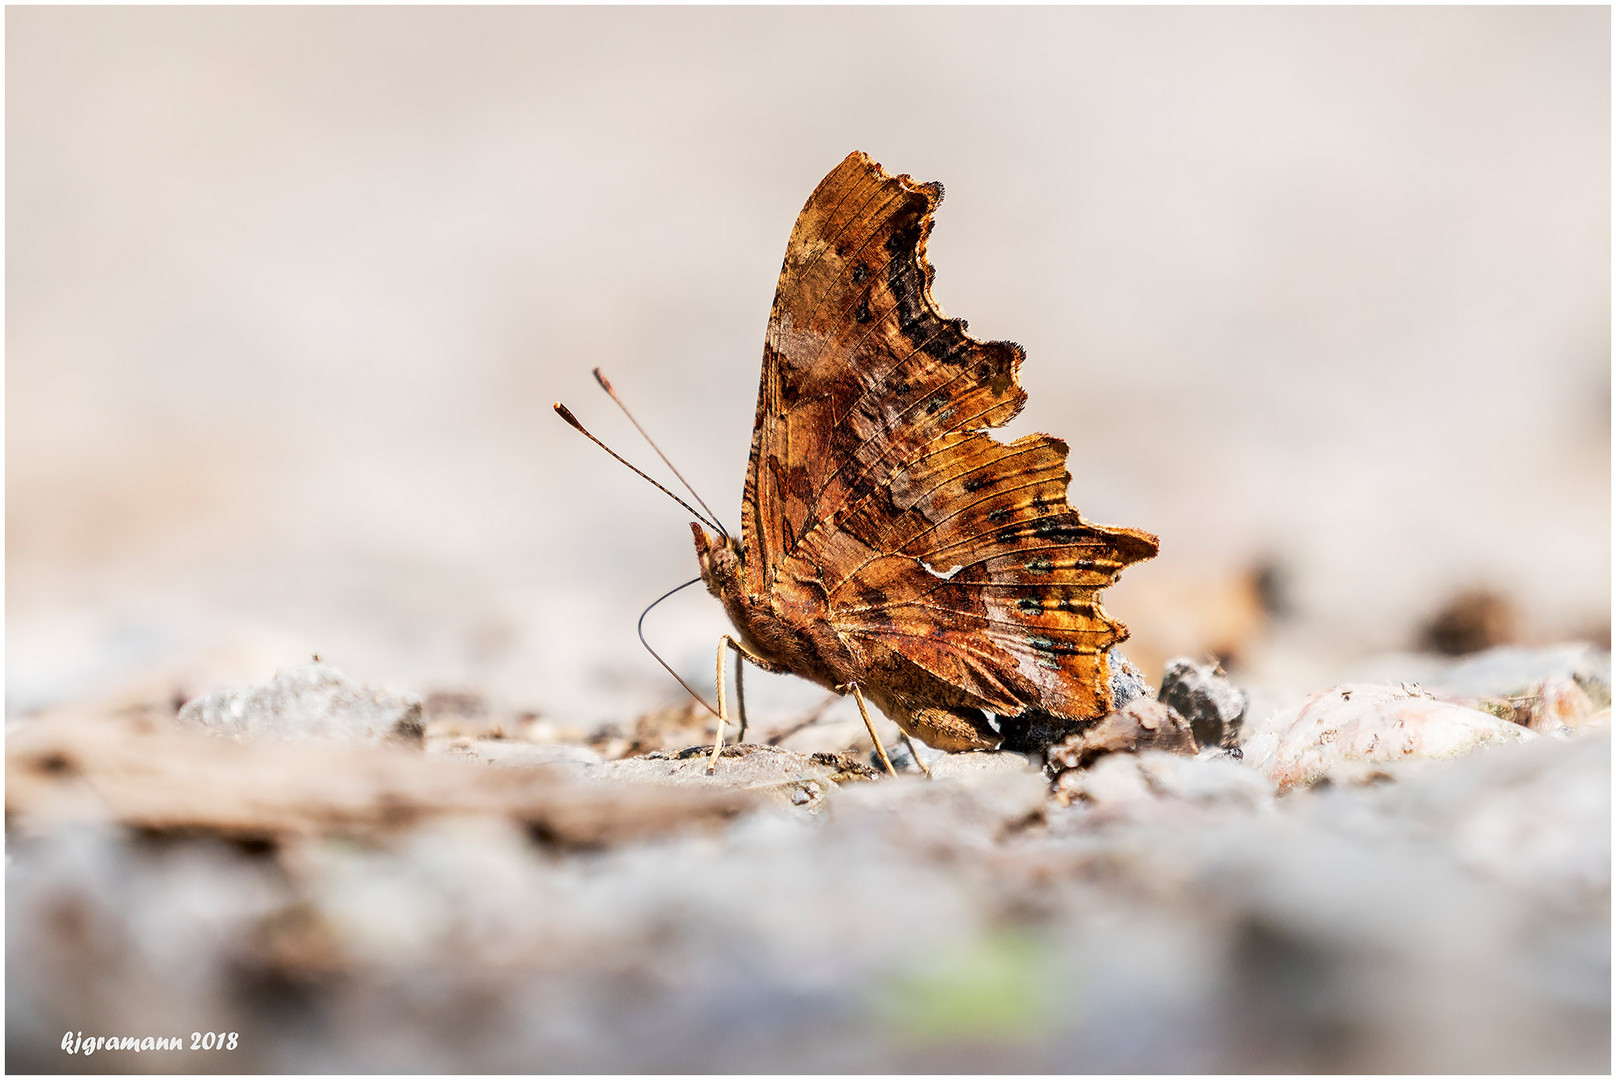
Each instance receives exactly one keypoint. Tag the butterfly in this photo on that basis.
(890, 547)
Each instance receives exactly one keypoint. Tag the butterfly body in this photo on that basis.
(778, 634)
(887, 541)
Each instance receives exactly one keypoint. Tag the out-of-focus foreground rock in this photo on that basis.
(310, 701)
(515, 897)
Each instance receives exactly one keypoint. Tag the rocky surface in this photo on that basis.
(1157, 780)
(1499, 672)
(517, 897)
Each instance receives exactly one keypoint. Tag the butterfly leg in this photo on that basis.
(912, 753)
(741, 654)
(740, 697)
(723, 713)
(864, 711)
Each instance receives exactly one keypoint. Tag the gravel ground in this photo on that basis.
(523, 902)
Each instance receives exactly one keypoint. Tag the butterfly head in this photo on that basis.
(721, 561)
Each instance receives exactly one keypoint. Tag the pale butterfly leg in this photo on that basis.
(723, 712)
(740, 697)
(727, 642)
(923, 766)
(864, 711)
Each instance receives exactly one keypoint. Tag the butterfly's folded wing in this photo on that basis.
(876, 501)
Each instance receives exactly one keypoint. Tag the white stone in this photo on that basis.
(1368, 723)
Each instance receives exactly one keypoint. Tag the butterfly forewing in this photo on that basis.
(875, 501)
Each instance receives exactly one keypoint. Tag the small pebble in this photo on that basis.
(1200, 693)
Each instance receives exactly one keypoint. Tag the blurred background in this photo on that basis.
(1321, 297)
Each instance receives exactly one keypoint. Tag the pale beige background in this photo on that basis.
(290, 291)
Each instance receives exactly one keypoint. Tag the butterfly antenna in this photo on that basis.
(639, 628)
(566, 414)
(612, 393)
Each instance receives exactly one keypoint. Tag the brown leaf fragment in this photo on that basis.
(1142, 724)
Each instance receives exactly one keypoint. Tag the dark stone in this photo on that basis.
(1033, 731)
(1213, 705)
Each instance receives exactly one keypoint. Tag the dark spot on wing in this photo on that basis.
(1061, 532)
(863, 485)
(876, 601)
(871, 596)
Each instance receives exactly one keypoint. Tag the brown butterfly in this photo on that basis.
(889, 546)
